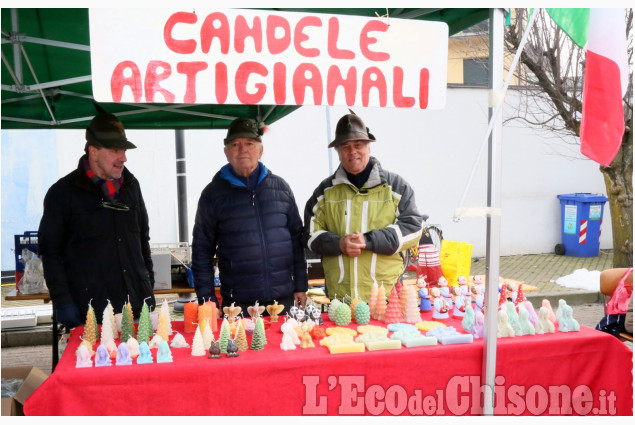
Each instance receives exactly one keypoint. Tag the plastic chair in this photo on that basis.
(609, 280)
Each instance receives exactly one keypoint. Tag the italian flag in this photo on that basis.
(602, 33)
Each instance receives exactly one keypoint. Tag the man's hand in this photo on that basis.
(300, 298)
(353, 244)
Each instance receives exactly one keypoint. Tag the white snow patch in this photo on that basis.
(581, 279)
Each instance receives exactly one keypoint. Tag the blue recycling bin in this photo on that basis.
(581, 223)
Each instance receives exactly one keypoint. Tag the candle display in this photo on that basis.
(533, 316)
(274, 310)
(335, 303)
(163, 328)
(372, 301)
(524, 325)
(546, 304)
(261, 324)
(127, 327)
(460, 302)
(118, 317)
(362, 313)
(440, 309)
(339, 330)
(232, 312)
(258, 340)
(478, 330)
(512, 317)
(255, 310)
(145, 355)
(232, 348)
(214, 350)
(566, 322)
(411, 313)
(393, 310)
(91, 332)
(213, 323)
(208, 335)
(353, 306)
(164, 355)
(318, 332)
(307, 341)
(165, 312)
(145, 332)
(288, 327)
(83, 357)
(123, 355)
(128, 311)
(394, 327)
(155, 342)
(112, 349)
(468, 319)
(342, 343)
(372, 328)
(154, 319)
(224, 335)
(426, 325)
(179, 342)
(342, 314)
(449, 335)
(413, 338)
(544, 325)
(190, 317)
(106, 327)
(241, 337)
(287, 340)
(109, 317)
(102, 358)
(198, 345)
(204, 314)
(133, 347)
(504, 329)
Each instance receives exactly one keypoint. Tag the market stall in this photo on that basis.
(585, 372)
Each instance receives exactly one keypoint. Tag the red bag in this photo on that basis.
(429, 265)
(618, 303)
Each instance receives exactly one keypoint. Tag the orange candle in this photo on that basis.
(190, 317)
(204, 313)
(213, 323)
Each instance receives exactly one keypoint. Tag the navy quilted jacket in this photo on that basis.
(256, 236)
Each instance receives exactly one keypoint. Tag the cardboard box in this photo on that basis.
(162, 264)
(33, 378)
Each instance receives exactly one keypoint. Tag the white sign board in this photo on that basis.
(265, 57)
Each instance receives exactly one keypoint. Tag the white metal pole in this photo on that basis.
(496, 40)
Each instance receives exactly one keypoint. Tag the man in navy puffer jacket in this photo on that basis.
(247, 217)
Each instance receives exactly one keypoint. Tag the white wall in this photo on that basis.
(434, 150)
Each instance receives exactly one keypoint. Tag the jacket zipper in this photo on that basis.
(262, 243)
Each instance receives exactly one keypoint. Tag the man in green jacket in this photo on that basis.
(360, 218)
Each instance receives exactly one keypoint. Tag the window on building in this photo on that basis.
(475, 72)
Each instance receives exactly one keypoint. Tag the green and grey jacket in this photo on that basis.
(384, 210)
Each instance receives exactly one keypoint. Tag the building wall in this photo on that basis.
(433, 149)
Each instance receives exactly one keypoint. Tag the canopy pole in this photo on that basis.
(181, 185)
(496, 40)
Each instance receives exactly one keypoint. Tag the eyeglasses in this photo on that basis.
(117, 206)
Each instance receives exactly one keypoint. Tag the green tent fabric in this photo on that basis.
(53, 88)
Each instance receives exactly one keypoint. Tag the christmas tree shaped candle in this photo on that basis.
(224, 336)
(131, 317)
(91, 333)
(165, 312)
(163, 328)
(145, 324)
(109, 316)
(333, 308)
(241, 337)
(257, 341)
(393, 311)
(106, 328)
(126, 326)
(208, 335)
(362, 313)
(412, 313)
(198, 346)
(190, 317)
(372, 302)
(261, 323)
(380, 308)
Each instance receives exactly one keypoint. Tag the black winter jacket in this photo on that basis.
(94, 254)
(256, 236)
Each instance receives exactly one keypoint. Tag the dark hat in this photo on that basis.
(243, 127)
(105, 130)
(350, 127)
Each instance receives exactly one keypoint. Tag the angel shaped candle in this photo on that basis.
(566, 322)
(504, 329)
(525, 326)
(255, 311)
(546, 304)
(102, 358)
(274, 310)
(468, 319)
(83, 357)
(232, 312)
(478, 330)
(179, 342)
(533, 316)
(440, 309)
(164, 355)
(133, 347)
(465, 289)
(123, 355)
(544, 325)
(145, 355)
(460, 302)
(512, 317)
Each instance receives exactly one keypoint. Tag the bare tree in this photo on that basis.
(551, 80)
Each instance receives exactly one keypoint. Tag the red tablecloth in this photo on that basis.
(586, 372)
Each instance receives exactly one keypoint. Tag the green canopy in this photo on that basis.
(46, 73)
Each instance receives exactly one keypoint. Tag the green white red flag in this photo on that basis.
(602, 33)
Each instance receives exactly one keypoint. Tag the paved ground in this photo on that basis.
(538, 270)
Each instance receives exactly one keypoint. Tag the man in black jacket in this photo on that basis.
(247, 217)
(94, 236)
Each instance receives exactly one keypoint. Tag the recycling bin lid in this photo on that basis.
(583, 197)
